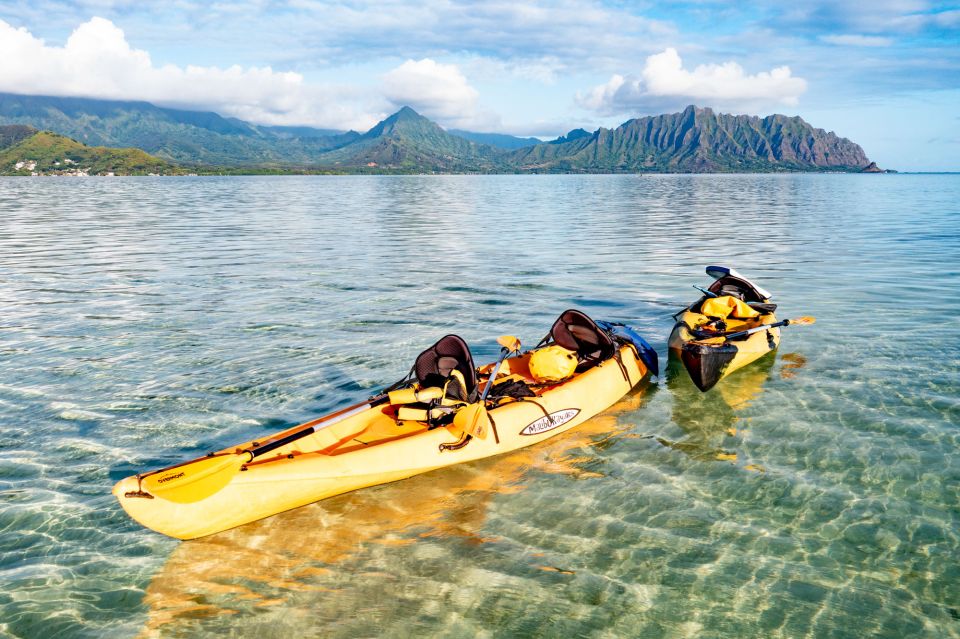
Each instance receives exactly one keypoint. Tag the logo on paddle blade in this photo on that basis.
(169, 477)
(551, 421)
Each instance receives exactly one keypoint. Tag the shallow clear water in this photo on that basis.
(815, 493)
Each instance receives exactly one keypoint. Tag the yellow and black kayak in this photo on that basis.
(385, 439)
(724, 330)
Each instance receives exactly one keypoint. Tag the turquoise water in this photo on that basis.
(816, 493)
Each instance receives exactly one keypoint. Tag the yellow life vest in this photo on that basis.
(727, 306)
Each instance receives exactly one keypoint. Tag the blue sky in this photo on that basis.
(884, 73)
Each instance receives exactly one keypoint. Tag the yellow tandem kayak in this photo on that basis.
(374, 444)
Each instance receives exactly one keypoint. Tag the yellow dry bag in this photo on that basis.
(552, 364)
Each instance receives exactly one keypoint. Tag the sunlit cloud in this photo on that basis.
(439, 91)
(665, 83)
(97, 61)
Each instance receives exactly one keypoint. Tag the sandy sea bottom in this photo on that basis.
(815, 493)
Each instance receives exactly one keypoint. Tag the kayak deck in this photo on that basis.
(372, 448)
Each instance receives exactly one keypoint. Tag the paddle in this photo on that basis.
(473, 418)
(191, 481)
(800, 321)
(705, 291)
(197, 479)
(509, 344)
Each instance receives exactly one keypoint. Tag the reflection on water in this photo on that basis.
(816, 493)
(303, 552)
(712, 421)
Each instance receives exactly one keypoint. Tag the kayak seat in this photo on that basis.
(447, 365)
(732, 291)
(736, 287)
(575, 331)
(763, 308)
(435, 367)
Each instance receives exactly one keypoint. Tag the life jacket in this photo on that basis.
(727, 306)
(446, 380)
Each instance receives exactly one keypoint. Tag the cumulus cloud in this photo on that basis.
(856, 40)
(310, 35)
(665, 83)
(438, 91)
(97, 61)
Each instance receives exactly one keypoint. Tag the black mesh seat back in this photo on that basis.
(740, 288)
(575, 331)
(434, 365)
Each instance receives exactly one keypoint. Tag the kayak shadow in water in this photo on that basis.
(210, 583)
(713, 421)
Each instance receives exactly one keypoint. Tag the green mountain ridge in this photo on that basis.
(696, 140)
(26, 151)
(499, 140)
(407, 141)
(190, 137)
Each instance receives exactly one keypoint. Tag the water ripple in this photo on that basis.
(816, 493)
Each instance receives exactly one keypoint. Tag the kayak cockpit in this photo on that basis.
(396, 434)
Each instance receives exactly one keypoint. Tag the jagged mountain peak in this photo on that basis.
(406, 112)
(407, 141)
(574, 134)
(404, 120)
(698, 140)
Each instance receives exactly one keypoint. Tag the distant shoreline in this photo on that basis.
(694, 140)
(417, 174)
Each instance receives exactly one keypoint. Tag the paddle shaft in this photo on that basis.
(305, 429)
(329, 420)
(493, 375)
(705, 291)
(751, 331)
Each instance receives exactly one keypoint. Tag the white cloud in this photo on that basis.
(438, 91)
(856, 40)
(543, 70)
(507, 29)
(97, 61)
(664, 83)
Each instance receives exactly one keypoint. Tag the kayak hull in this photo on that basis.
(710, 360)
(371, 448)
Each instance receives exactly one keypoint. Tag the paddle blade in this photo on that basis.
(509, 342)
(194, 481)
(473, 420)
(803, 321)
